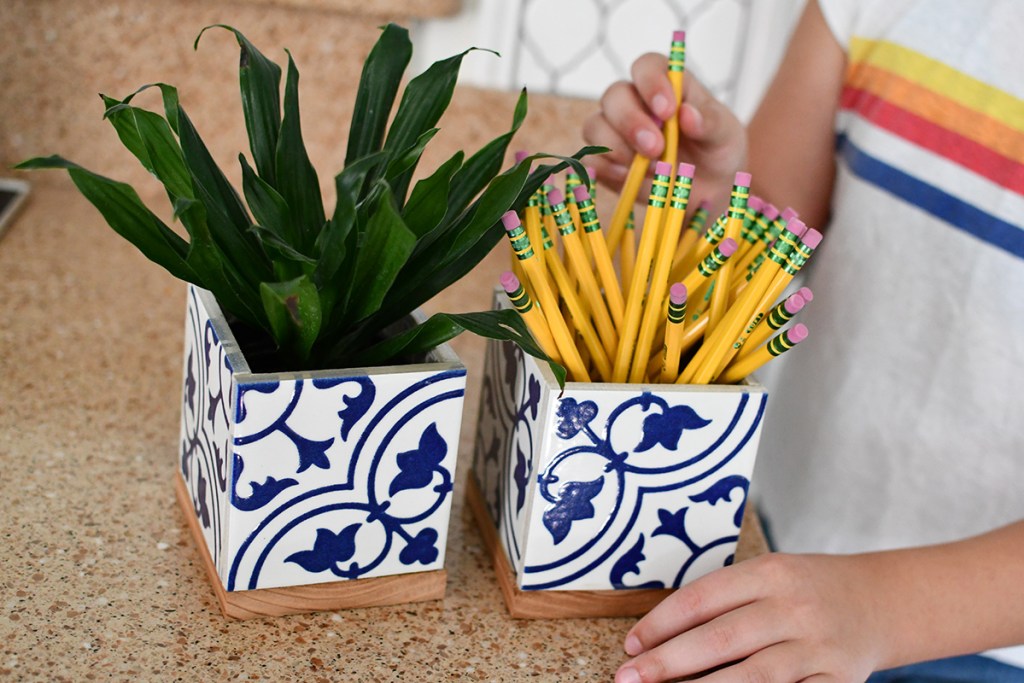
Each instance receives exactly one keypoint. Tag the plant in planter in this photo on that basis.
(302, 466)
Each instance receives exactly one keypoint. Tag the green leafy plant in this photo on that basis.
(324, 290)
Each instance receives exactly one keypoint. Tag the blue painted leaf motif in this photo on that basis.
(666, 428)
(190, 384)
(261, 493)
(310, 452)
(521, 475)
(416, 468)
(201, 507)
(573, 417)
(533, 401)
(422, 548)
(629, 563)
(329, 549)
(355, 406)
(672, 524)
(574, 503)
(722, 490)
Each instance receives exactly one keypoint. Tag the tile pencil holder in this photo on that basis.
(315, 490)
(599, 500)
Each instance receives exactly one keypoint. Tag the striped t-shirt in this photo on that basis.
(898, 422)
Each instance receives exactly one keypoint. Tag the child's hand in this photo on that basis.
(778, 617)
(710, 135)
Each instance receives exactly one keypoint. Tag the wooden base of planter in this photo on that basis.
(274, 602)
(553, 604)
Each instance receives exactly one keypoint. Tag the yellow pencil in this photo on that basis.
(652, 312)
(781, 314)
(531, 314)
(733, 227)
(763, 222)
(641, 271)
(549, 304)
(775, 347)
(731, 326)
(627, 259)
(627, 197)
(694, 231)
(675, 322)
(580, 319)
(585, 276)
(602, 259)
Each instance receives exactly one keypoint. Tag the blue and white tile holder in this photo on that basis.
(627, 490)
(315, 490)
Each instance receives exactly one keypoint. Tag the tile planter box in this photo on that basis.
(315, 490)
(600, 500)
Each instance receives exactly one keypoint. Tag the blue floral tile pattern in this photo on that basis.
(325, 476)
(613, 486)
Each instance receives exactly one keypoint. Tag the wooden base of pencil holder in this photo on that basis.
(275, 602)
(582, 604)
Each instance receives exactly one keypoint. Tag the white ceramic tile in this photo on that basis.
(332, 477)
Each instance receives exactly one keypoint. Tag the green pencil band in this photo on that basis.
(676, 311)
(572, 181)
(681, 192)
(545, 207)
(781, 343)
(803, 250)
(548, 244)
(520, 299)
(563, 220)
(699, 220)
(716, 259)
(588, 215)
(521, 246)
(677, 53)
(749, 231)
(784, 311)
(659, 191)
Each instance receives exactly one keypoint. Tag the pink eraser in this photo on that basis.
(755, 203)
(797, 227)
(704, 204)
(793, 304)
(742, 179)
(812, 238)
(510, 220)
(581, 193)
(551, 179)
(727, 247)
(663, 168)
(678, 36)
(591, 173)
(806, 293)
(789, 213)
(521, 154)
(509, 281)
(677, 293)
(555, 197)
(797, 334)
(686, 169)
(770, 211)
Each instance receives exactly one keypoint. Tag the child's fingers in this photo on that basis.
(650, 75)
(597, 130)
(626, 112)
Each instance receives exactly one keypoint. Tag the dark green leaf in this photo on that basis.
(378, 84)
(297, 180)
(127, 215)
(260, 83)
(226, 216)
(148, 136)
(399, 171)
(386, 247)
(423, 102)
(480, 168)
(293, 309)
(168, 93)
(268, 207)
(429, 199)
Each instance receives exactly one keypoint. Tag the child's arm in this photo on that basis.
(788, 147)
(819, 617)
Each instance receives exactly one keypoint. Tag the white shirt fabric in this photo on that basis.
(900, 421)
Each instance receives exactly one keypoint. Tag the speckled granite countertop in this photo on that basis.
(98, 575)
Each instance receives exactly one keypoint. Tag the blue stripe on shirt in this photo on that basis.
(940, 204)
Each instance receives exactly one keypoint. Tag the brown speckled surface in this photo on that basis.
(98, 577)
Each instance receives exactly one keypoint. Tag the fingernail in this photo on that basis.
(627, 675)
(645, 141)
(633, 646)
(661, 106)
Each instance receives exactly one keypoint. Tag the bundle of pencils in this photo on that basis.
(695, 306)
